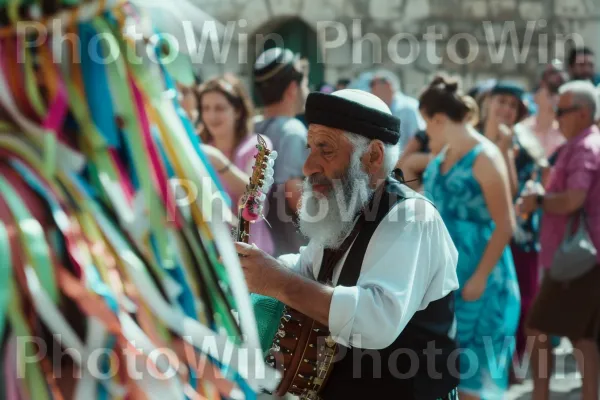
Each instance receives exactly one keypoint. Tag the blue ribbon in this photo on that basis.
(186, 297)
(97, 88)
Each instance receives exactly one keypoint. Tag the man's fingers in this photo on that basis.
(243, 248)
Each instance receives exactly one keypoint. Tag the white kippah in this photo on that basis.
(365, 98)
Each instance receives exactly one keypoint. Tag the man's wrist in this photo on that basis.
(539, 200)
(279, 280)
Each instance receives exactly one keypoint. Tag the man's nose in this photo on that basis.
(311, 166)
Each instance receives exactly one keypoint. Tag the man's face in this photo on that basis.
(572, 117)
(552, 79)
(583, 68)
(382, 89)
(329, 158)
(335, 189)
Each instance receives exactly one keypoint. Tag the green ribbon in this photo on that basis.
(218, 300)
(31, 84)
(5, 274)
(32, 238)
(11, 304)
(34, 378)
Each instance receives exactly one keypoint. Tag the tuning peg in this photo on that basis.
(268, 182)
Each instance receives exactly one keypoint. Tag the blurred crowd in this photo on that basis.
(508, 169)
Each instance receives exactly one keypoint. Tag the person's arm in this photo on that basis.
(410, 123)
(410, 261)
(490, 172)
(582, 169)
(306, 295)
(506, 145)
(414, 160)
(413, 146)
(413, 168)
(372, 314)
(513, 176)
(288, 278)
(234, 178)
(564, 203)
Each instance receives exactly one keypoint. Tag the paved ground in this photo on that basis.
(565, 382)
(564, 385)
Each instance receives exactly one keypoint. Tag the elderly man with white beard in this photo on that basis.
(379, 270)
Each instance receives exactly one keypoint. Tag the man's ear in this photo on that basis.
(374, 156)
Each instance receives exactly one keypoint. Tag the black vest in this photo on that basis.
(422, 363)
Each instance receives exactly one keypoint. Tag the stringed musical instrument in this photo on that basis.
(301, 348)
(261, 180)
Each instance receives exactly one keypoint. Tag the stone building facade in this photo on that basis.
(470, 39)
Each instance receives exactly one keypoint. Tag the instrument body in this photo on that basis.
(304, 350)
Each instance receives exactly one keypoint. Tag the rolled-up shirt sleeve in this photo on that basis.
(582, 169)
(410, 261)
(301, 262)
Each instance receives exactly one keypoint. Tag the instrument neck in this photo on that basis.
(243, 228)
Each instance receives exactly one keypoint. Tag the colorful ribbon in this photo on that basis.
(96, 144)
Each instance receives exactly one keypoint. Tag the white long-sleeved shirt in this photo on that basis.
(410, 261)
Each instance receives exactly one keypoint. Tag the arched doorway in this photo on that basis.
(297, 36)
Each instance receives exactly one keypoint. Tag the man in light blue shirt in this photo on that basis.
(386, 85)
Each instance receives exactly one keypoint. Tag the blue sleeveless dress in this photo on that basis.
(485, 327)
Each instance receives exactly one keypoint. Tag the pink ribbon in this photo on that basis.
(126, 184)
(10, 372)
(160, 176)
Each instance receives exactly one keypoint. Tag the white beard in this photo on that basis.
(328, 219)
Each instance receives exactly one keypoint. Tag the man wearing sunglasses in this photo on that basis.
(572, 310)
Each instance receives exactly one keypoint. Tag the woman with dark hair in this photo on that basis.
(417, 154)
(468, 180)
(226, 113)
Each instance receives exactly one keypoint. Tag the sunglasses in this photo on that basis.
(376, 81)
(563, 111)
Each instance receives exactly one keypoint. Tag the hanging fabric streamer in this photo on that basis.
(97, 252)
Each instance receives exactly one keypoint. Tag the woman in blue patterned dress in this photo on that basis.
(468, 181)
